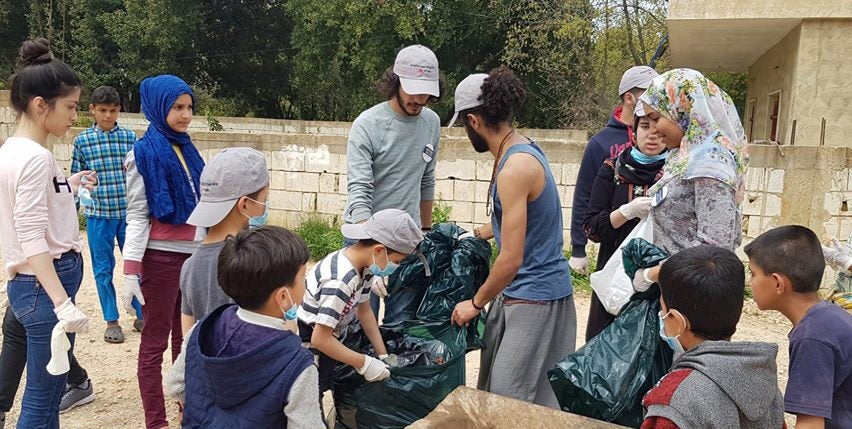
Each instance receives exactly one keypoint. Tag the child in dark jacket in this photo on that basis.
(244, 367)
(619, 199)
(714, 382)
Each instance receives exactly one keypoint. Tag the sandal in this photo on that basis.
(138, 325)
(114, 335)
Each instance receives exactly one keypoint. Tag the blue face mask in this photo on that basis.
(646, 159)
(290, 314)
(389, 268)
(671, 341)
(258, 221)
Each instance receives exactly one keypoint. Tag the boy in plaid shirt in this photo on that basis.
(102, 148)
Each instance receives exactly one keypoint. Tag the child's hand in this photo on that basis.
(374, 369)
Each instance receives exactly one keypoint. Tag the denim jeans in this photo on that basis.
(13, 360)
(34, 309)
(103, 235)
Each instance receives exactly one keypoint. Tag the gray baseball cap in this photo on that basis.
(393, 228)
(417, 68)
(636, 77)
(233, 173)
(467, 94)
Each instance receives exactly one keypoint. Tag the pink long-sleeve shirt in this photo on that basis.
(37, 210)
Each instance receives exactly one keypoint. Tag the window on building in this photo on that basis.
(774, 110)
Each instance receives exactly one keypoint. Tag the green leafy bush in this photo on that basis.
(323, 236)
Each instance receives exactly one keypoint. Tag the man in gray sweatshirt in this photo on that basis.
(393, 146)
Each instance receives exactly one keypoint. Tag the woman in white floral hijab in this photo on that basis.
(698, 199)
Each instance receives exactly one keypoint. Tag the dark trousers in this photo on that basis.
(13, 360)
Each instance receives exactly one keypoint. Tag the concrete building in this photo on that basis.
(798, 55)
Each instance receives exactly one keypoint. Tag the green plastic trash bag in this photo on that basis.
(458, 268)
(607, 378)
(431, 365)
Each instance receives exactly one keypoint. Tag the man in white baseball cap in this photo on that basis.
(393, 146)
(607, 143)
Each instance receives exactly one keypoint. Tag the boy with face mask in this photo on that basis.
(338, 292)
(713, 383)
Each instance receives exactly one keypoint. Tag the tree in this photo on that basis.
(13, 32)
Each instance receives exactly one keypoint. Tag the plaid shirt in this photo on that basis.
(104, 152)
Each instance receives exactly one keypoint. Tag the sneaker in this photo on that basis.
(76, 395)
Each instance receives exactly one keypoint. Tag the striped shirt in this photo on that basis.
(104, 152)
(334, 290)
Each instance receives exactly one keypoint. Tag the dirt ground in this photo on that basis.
(112, 367)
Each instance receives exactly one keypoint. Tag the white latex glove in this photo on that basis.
(59, 346)
(71, 318)
(468, 234)
(374, 369)
(836, 256)
(638, 208)
(4, 295)
(579, 264)
(641, 282)
(131, 290)
(379, 286)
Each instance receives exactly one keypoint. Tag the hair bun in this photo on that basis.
(36, 51)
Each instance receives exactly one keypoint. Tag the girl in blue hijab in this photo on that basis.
(163, 187)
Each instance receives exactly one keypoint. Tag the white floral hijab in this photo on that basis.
(714, 144)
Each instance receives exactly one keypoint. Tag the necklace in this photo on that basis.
(488, 202)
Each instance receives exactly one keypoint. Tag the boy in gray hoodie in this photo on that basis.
(713, 383)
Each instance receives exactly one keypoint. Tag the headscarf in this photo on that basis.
(171, 193)
(714, 142)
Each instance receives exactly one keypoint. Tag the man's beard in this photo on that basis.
(477, 141)
(402, 106)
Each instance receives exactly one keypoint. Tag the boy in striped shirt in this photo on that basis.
(338, 292)
(102, 148)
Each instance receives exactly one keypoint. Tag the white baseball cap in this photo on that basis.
(230, 175)
(417, 68)
(636, 77)
(468, 94)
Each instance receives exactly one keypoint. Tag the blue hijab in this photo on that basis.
(170, 193)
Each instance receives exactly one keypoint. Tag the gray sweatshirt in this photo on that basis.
(720, 385)
(390, 162)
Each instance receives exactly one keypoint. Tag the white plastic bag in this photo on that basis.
(611, 284)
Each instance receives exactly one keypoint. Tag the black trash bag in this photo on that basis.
(458, 268)
(607, 378)
(431, 365)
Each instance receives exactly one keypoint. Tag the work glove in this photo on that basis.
(638, 208)
(579, 264)
(71, 318)
(374, 369)
(131, 290)
(836, 256)
(379, 286)
(641, 282)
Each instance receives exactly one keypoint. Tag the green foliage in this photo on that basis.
(84, 121)
(441, 212)
(320, 59)
(323, 237)
(736, 85)
(81, 221)
(213, 124)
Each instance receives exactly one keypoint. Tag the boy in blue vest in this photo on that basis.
(102, 148)
(244, 367)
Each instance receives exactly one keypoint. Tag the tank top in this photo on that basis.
(544, 274)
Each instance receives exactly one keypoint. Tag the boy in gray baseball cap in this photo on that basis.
(338, 292)
(234, 188)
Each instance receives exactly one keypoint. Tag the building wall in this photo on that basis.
(823, 84)
(774, 71)
(760, 9)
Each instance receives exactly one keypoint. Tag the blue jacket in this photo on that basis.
(239, 375)
(607, 143)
